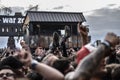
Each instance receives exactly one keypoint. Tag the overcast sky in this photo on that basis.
(102, 15)
(63, 5)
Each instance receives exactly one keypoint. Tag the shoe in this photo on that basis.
(55, 42)
(67, 32)
(55, 39)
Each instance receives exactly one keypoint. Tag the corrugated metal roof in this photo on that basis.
(42, 16)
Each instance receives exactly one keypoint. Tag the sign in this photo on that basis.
(11, 25)
(11, 20)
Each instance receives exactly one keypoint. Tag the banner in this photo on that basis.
(11, 20)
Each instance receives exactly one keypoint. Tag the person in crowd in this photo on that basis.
(56, 65)
(84, 51)
(95, 61)
(49, 59)
(63, 40)
(24, 57)
(24, 45)
(114, 57)
(39, 53)
(60, 43)
(63, 65)
(55, 43)
(91, 63)
(7, 73)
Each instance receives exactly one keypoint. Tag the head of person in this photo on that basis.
(63, 65)
(102, 75)
(112, 38)
(39, 51)
(7, 73)
(50, 59)
(115, 72)
(22, 42)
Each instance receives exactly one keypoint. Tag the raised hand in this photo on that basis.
(112, 38)
(83, 31)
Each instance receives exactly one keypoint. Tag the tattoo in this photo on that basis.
(90, 63)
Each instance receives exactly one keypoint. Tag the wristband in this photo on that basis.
(33, 64)
(106, 43)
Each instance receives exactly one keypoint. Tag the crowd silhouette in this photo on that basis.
(101, 62)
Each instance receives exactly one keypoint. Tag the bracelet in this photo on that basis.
(106, 43)
(33, 64)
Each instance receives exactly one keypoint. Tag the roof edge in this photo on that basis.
(53, 12)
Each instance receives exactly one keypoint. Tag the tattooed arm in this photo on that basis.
(91, 62)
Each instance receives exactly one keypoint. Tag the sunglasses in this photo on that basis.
(7, 74)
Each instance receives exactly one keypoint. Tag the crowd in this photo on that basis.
(60, 63)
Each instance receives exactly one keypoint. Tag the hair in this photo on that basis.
(102, 75)
(34, 76)
(116, 73)
(17, 73)
(12, 62)
(61, 65)
(8, 67)
(114, 70)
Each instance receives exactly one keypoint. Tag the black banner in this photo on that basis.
(11, 20)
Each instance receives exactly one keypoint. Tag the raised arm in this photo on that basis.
(82, 30)
(91, 62)
(46, 71)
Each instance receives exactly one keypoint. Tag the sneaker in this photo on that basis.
(55, 39)
(67, 32)
(55, 42)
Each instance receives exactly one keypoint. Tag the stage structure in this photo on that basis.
(38, 27)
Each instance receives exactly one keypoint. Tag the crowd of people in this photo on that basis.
(60, 63)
